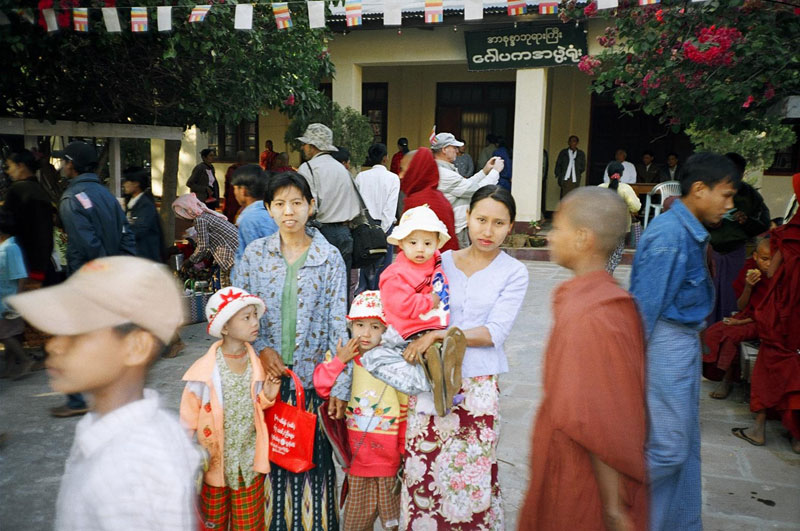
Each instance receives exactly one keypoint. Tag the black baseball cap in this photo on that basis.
(81, 154)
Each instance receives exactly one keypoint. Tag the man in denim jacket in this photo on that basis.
(674, 292)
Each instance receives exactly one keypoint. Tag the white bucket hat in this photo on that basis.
(319, 136)
(419, 218)
(367, 305)
(225, 303)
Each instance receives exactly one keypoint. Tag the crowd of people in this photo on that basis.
(406, 361)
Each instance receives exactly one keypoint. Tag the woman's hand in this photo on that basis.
(272, 363)
(347, 352)
(420, 345)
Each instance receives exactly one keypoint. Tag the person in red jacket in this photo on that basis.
(419, 179)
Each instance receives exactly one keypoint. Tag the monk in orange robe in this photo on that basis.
(775, 382)
(722, 339)
(587, 462)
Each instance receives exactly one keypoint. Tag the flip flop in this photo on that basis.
(739, 432)
(453, 347)
(433, 363)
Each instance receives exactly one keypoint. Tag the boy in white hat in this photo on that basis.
(131, 465)
(235, 435)
(415, 296)
(376, 421)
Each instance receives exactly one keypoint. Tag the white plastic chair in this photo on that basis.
(665, 190)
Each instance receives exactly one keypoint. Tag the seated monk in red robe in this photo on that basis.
(775, 383)
(588, 464)
(722, 339)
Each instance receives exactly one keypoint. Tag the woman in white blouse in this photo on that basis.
(450, 476)
(628, 194)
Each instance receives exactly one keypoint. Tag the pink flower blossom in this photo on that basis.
(460, 459)
(588, 64)
(591, 9)
(748, 102)
(769, 92)
(289, 101)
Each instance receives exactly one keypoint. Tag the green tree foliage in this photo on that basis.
(719, 65)
(197, 74)
(350, 128)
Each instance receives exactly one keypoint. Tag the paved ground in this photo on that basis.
(744, 487)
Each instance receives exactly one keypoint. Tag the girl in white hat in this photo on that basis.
(235, 435)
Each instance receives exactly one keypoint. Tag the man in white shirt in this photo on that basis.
(380, 190)
(332, 187)
(457, 189)
(629, 175)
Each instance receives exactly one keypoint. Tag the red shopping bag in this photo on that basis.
(291, 432)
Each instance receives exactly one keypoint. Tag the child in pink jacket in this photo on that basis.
(223, 402)
(376, 421)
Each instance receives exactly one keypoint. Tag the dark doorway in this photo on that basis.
(473, 110)
(375, 105)
(610, 129)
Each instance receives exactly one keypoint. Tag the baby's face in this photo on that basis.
(420, 245)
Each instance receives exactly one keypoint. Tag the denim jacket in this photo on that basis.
(670, 278)
(321, 292)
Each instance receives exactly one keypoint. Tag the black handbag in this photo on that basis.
(369, 240)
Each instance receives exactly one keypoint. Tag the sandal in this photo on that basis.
(454, 346)
(432, 364)
(739, 432)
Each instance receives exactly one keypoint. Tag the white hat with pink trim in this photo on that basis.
(225, 303)
(367, 305)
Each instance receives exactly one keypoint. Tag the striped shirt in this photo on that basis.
(132, 468)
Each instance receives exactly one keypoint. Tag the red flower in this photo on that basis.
(660, 15)
(588, 64)
(749, 101)
(289, 101)
(591, 9)
(207, 432)
(207, 407)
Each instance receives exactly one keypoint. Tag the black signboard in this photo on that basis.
(530, 46)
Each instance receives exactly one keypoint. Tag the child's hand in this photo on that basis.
(435, 299)
(347, 352)
(753, 276)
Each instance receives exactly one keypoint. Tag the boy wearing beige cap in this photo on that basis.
(131, 465)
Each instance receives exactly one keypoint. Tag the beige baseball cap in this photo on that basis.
(107, 292)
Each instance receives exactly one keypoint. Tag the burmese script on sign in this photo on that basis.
(525, 47)
(282, 437)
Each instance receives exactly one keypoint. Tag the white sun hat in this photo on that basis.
(225, 303)
(367, 305)
(419, 218)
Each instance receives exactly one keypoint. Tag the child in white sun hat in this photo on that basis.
(416, 299)
(235, 435)
(375, 419)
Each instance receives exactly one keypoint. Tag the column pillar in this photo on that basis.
(115, 166)
(529, 118)
(347, 85)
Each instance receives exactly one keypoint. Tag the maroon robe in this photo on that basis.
(776, 375)
(594, 403)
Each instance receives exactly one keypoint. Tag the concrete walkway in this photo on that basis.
(744, 487)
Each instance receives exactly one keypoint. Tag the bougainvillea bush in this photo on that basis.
(716, 65)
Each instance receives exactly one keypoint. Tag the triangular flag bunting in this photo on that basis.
(138, 19)
(243, 19)
(283, 17)
(392, 13)
(164, 14)
(473, 9)
(548, 8)
(80, 18)
(517, 7)
(111, 19)
(648, 2)
(316, 14)
(352, 9)
(434, 11)
(607, 4)
(50, 19)
(199, 13)
(432, 138)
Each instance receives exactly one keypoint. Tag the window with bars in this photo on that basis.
(228, 140)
